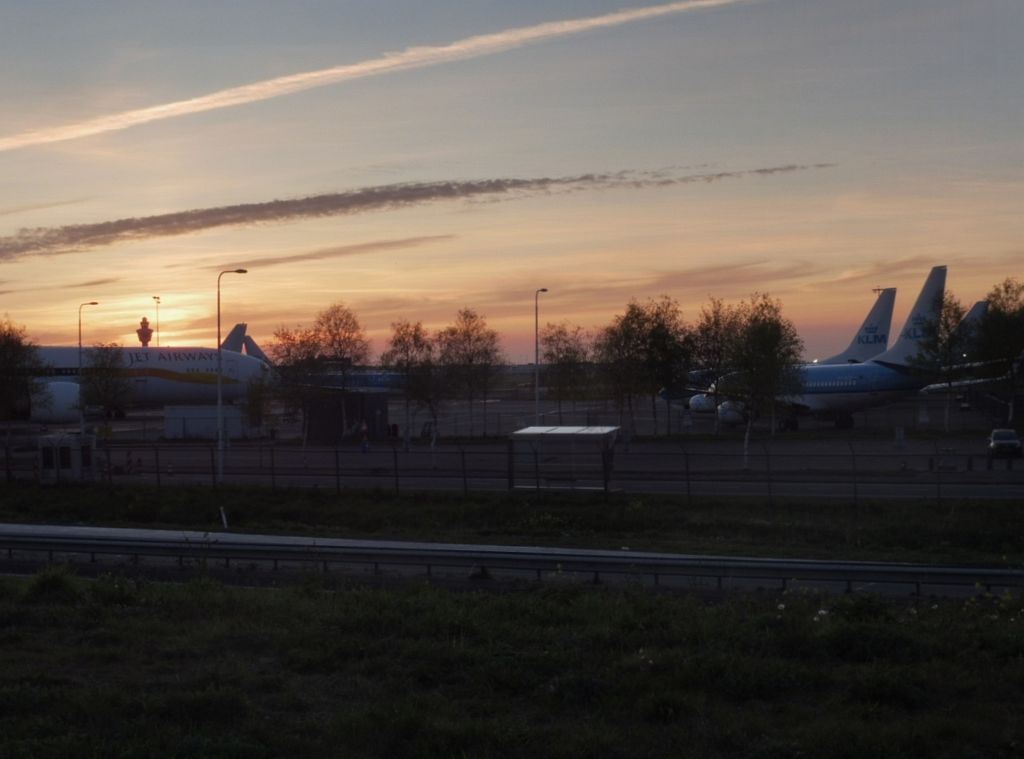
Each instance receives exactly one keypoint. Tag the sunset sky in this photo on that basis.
(411, 158)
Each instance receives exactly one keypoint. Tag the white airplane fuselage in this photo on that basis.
(165, 376)
(869, 340)
(843, 388)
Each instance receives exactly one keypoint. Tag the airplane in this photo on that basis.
(159, 377)
(970, 325)
(966, 335)
(873, 336)
(871, 339)
(838, 390)
(356, 380)
(239, 342)
(235, 339)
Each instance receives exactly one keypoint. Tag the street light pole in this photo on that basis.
(220, 400)
(156, 298)
(81, 407)
(536, 353)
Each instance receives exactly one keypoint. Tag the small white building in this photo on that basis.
(576, 458)
(67, 457)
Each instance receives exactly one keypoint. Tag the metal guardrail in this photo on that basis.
(479, 560)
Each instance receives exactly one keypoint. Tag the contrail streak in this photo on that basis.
(411, 58)
(78, 237)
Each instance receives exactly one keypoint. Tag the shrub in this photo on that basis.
(113, 590)
(53, 585)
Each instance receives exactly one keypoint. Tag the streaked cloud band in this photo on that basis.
(411, 58)
(76, 237)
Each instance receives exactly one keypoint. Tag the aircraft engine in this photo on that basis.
(702, 403)
(732, 413)
(56, 403)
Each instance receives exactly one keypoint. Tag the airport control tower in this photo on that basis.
(144, 332)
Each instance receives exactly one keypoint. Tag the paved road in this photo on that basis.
(820, 469)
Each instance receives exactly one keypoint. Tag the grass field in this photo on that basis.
(123, 667)
(114, 667)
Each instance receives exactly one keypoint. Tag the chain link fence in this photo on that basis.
(707, 468)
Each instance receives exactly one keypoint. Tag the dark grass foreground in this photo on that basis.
(113, 667)
(982, 533)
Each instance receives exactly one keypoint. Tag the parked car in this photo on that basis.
(1004, 443)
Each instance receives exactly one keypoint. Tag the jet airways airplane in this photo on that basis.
(359, 380)
(159, 377)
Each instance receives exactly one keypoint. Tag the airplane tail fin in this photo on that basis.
(235, 338)
(974, 316)
(966, 334)
(926, 309)
(873, 335)
(252, 349)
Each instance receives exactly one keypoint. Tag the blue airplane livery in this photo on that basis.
(840, 389)
(846, 382)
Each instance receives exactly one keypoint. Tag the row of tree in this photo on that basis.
(990, 349)
(647, 349)
(461, 360)
(651, 347)
(643, 351)
(104, 384)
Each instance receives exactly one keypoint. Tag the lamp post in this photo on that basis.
(81, 407)
(220, 402)
(156, 299)
(536, 353)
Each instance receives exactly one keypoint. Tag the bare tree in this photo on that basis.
(667, 351)
(643, 351)
(716, 338)
(767, 360)
(411, 353)
(336, 342)
(566, 352)
(105, 382)
(19, 367)
(620, 349)
(942, 345)
(1001, 336)
(469, 352)
(19, 387)
(341, 338)
(297, 366)
(259, 396)
(307, 358)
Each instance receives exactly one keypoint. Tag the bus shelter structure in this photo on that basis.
(563, 458)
